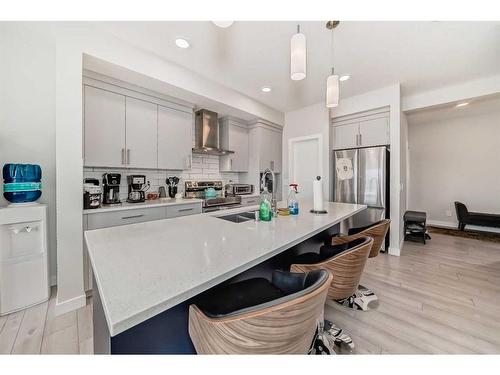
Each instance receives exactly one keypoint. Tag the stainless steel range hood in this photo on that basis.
(206, 134)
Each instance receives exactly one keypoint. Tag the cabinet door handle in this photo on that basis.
(128, 156)
(132, 217)
(360, 139)
(272, 165)
(123, 156)
(185, 209)
(231, 163)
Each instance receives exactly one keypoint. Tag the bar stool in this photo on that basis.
(365, 299)
(256, 316)
(346, 265)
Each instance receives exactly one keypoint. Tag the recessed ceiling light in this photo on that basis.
(223, 24)
(266, 89)
(182, 43)
(462, 104)
(344, 77)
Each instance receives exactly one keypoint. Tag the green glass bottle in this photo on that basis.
(265, 213)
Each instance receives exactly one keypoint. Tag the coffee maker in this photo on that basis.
(111, 187)
(136, 184)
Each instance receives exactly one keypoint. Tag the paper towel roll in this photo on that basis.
(318, 194)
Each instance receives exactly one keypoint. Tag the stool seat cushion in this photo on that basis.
(326, 252)
(416, 216)
(240, 295)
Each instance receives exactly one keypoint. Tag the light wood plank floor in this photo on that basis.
(443, 297)
(37, 330)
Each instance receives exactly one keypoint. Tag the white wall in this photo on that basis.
(403, 198)
(454, 155)
(27, 111)
(303, 122)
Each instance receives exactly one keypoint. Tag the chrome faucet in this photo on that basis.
(273, 193)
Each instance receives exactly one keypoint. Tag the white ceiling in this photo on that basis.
(252, 54)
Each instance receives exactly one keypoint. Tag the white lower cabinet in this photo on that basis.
(124, 217)
(183, 210)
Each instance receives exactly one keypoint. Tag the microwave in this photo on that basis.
(239, 189)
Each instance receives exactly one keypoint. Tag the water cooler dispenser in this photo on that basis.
(24, 279)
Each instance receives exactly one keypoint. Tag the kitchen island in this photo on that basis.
(147, 274)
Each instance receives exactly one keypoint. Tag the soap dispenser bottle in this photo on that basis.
(265, 212)
(293, 203)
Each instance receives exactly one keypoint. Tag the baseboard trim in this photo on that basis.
(448, 225)
(394, 251)
(72, 304)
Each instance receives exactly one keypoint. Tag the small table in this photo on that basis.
(415, 226)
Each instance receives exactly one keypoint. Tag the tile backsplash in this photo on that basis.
(204, 167)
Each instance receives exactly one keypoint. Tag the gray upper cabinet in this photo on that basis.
(270, 144)
(366, 132)
(141, 133)
(374, 132)
(128, 132)
(345, 136)
(233, 137)
(175, 138)
(104, 128)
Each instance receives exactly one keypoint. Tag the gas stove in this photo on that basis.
(196, 189)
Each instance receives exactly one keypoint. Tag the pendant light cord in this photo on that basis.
(333, 53)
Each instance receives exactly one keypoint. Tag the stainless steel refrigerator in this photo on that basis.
(362, 176)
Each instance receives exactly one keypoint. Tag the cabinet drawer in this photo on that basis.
(250, 201)
(115, 218)
(183, 210)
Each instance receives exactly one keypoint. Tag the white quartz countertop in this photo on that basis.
(146, 268)
(146, 204)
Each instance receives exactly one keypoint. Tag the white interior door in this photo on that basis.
(305, 163)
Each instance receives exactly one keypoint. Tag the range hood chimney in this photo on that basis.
(206, 134)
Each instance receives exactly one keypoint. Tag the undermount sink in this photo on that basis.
(238, 218)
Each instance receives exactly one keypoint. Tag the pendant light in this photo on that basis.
(298, 56)
(332, 82)
(332, 90)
